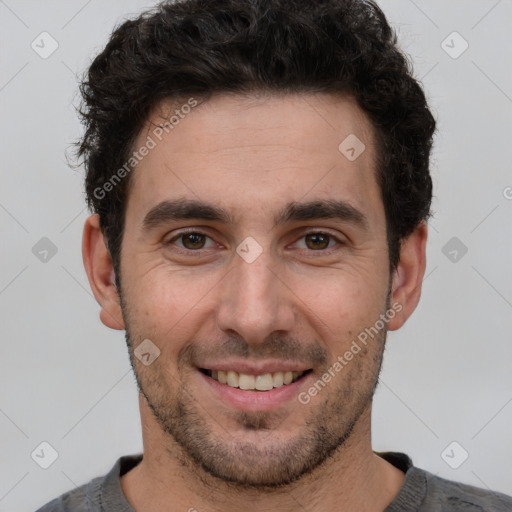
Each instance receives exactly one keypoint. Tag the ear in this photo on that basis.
(100, 271)
(408, 276)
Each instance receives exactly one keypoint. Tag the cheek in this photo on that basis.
(341, 303)
(166, 305)
(342, 288)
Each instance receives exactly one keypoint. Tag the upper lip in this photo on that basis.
(255, 368)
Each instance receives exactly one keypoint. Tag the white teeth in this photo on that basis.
(264, 382)
(232, 379)
(221, 376)
(246, 381)
(278, 379)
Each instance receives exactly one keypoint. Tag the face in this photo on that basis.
(255, 252)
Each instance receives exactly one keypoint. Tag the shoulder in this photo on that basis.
(101, 494)
(77, 500)
(423, 491)
(443, 494)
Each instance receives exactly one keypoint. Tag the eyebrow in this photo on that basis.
(192, 209)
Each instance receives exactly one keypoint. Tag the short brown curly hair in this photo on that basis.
(200, 47)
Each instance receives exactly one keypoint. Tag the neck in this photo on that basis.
(354, 478)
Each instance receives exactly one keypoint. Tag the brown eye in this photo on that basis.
(317, 241)
(191, 243)
(193, 240)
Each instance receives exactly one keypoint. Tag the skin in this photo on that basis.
(252, 155)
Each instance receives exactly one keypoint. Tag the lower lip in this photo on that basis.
(250, 400)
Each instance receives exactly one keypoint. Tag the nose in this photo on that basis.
(255, 301)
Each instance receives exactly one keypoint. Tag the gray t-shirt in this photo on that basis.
(421, 491)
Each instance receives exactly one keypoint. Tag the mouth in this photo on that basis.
(262, 382)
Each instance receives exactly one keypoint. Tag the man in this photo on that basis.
(259, 177)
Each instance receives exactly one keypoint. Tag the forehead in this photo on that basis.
(251, 152)
(230, 122)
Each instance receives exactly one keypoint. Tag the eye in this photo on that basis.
(190, 240)
(196, 241)
(319, 241)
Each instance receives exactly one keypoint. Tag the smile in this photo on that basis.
(263, 382)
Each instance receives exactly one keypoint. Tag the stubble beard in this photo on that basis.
(271, 463)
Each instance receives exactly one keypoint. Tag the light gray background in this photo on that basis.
(66, 378)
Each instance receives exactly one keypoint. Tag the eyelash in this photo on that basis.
(199, 252)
